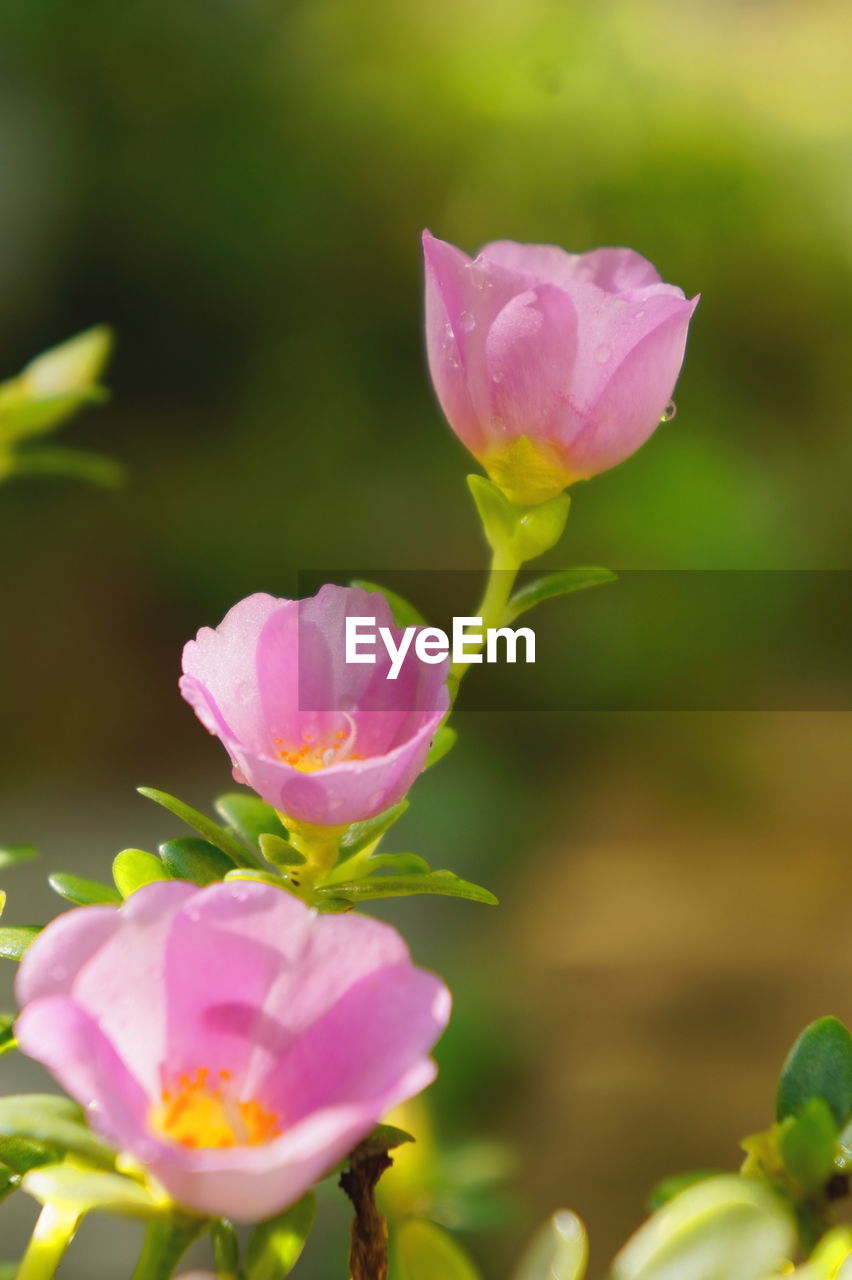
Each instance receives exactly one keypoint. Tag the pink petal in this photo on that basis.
(331, 962)
(61, 1036)
(462, 300)
(370, 1038)
(124, 986)
(248, 1184)
(530, 353)
(613, 270)
(221, 662)
(52, 962)
(226, 950)
(609, 329)
(632, 403)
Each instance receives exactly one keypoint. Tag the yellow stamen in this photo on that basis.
(196, 1114)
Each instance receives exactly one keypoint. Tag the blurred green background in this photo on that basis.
(239, 187)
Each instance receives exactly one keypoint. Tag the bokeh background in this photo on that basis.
(239, 187)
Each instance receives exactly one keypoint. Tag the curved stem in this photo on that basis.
(54, 1231)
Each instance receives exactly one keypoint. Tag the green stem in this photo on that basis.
(166, 1241)
(492, 609)
(54, 1231)
(320, 847)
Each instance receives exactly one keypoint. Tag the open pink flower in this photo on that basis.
(325, 741)
(551, 366)
(233, 1041)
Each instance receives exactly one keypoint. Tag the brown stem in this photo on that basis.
(368, 1255)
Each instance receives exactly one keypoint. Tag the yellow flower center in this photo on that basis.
(311, 755)
(198, 1112)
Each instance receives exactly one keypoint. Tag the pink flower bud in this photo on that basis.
(234, 1042)
(551, 366)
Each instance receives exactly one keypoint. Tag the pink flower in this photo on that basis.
(233, 1041)
(324, 741)
(551, 366)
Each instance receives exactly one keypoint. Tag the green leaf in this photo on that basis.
(808, 1144)
(72, 367)
(333, 905)
(205, 826)
(445, 883)
(77, 464)
(521, 532)
(499, 516)
(404, 614)
(425, 1251)
(668, 1188)
(9, 1182)
(22, 1154)
(559, 1252)
(83, 1189)
(384, 1138)
(134, 868)
(444, 741)
(14, 940)
(258, 877)
(403, 863)
(167, 1239)
(408, 864)
(843, 1158)
(197, 861)
(249, 817)
(275, 1246)
(819, 1066)
(362, 834)
(7, 1033)
(728, 1227)
(557, 584)
(55, 1122)
(226, 1248)
(11, 855)
(83, 893)
(280, 853)
(22, 416)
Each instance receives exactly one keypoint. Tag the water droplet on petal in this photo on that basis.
(669, 411)
(603, 353)
(468, 323)
(497, 376)
(637, 315)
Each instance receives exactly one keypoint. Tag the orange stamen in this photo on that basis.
(198, 1116)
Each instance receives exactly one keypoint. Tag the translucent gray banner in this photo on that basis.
(654, 640)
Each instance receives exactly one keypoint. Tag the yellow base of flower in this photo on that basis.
(528, 471)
